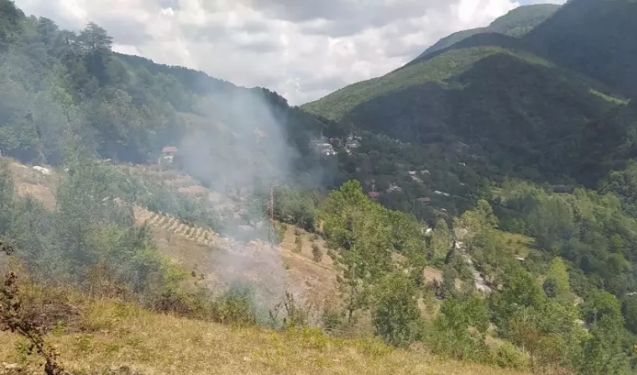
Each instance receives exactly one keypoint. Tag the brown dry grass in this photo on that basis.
(159, 344)
(317, 278)
(125, 335)
(31, 182)
(305, 277)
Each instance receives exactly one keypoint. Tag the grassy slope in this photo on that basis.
(110, 334)
(198, 249)
(123, 335)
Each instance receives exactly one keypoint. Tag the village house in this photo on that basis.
(168, 153)
(353, 141)
(325, 149)
(438, 192)
(393, 187)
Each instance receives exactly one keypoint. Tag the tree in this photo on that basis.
(94, 39)
(603, 352)
(520, 291)
(441, 241)
(557, 282)
(396, 316)
(6, 197)
(95, 44)
(599, 304)
(448, 287)
(359, 228)
(460, 328)
(629, 311)
(552, 221)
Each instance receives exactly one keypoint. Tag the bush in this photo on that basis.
(298, 244)
(281, 232)
(396, 317)
(508, 356)
(236, 306)
(458, 331)
(317, 254)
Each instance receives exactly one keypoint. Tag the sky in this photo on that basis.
(302, 49)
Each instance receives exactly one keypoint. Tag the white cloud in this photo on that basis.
(301, 49)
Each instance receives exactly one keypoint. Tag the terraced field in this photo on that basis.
(174, 226)
(219, 259)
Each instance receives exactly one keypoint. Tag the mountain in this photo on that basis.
(428, 245)
(126, 108)
(489, 91)
(592, 37)
(516, 23)
(519, 109)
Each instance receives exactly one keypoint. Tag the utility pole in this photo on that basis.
(271, 233)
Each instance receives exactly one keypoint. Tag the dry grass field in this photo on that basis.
(114, 335)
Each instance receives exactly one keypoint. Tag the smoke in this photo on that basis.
(240, 150)
(236, 141)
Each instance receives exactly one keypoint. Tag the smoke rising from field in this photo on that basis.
(242, 150)
(123, 108)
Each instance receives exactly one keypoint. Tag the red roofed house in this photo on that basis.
(374, 194)
(169, 152)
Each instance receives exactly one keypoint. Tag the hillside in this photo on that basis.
(141, 203)
(118, 338)
(504, 96)
(199, 248)
(592, 37)
(435, 100)
(127, 108)
(515, 23)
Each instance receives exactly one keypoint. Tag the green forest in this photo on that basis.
(502, 156)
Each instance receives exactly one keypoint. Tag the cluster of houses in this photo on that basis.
(326, 147)
(323, 147)
(415, 176)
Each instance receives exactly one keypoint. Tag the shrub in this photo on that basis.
(508, 356)
(317, 254)
(458, 331)
(396, 317)
(236, 306)
(298, 244)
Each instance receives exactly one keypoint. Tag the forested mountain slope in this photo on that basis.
(431, 244)
(595, 38)
(516, 23)
(126, 108)
(525, 113)
(490, 92)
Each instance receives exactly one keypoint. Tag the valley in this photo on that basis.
(472, 212)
